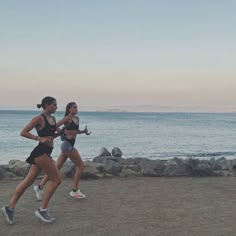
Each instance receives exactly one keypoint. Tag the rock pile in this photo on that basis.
(108, 164)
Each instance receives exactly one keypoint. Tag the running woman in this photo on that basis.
(40, 160)
(70, 131)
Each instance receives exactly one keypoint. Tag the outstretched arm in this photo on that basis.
(85, 131)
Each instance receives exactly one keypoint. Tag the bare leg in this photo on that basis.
(60, 161)
(50, 169)
(76, 159)
(22, 186)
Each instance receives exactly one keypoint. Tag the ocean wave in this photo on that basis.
(200, 155)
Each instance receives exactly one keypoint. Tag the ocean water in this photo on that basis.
(149, 135)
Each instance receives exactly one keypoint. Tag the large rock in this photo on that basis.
(231, 164)
(92, 170)
(104, 152)
(175, 167)
(200, 168)
(103, 155)
(191, 165)
(19, 168)
(151, 168)
(101, 159)
(112, 167)
(116, 152)
(221, 164)
(68, 169)
(204, 170)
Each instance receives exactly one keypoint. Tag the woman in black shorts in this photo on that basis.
(40, 160)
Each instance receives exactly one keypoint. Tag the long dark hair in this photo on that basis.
(46, 101)
(68, 107)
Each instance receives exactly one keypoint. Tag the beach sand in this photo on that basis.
(130, 206)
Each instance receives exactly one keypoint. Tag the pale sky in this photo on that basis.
(172, 55)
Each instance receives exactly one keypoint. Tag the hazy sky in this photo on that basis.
(148, 54)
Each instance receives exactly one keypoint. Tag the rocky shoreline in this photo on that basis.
(109, 164)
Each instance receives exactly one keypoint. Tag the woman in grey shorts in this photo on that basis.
(70, 131)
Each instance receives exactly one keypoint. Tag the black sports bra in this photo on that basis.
(72, 126)
(48, 129)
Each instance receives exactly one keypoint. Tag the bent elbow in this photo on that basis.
(22, 133)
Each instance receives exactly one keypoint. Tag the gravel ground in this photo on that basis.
(130, 206)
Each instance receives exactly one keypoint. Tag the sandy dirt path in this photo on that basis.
(130, 206)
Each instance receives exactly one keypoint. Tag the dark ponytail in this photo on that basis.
(46, 101)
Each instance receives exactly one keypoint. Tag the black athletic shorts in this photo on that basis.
(39, 151)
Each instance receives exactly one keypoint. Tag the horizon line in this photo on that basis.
(128, 111)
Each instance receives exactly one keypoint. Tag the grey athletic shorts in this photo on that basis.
(67, 145)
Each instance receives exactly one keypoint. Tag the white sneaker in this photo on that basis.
(38, 192)
(77, 194)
